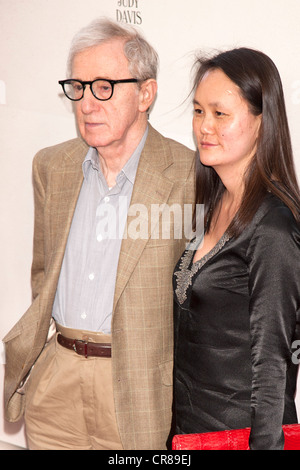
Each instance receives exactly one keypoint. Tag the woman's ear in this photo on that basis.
(148, 90)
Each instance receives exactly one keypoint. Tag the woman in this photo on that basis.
(237, 299)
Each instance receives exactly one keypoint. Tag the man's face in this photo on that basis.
(108, 124)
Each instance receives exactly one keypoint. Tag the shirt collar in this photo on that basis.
(129, 169)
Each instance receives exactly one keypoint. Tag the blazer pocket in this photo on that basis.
(166, 373)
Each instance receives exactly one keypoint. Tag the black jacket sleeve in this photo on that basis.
(274, 279)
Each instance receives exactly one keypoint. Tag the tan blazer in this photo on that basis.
(142, 324)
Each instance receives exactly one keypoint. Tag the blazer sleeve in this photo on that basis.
(37, 268)
(274, 273)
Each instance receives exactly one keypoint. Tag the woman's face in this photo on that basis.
(225, 129)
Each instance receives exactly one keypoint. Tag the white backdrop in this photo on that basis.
(34, 40)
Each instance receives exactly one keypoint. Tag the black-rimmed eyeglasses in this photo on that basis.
(102, 89)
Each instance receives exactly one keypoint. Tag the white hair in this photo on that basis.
(143, 59)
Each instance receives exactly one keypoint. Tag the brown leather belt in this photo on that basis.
(85, 348)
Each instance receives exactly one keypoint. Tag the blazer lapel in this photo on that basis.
(66, 180)
(151, 187)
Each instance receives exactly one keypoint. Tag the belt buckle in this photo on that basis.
(85, 347)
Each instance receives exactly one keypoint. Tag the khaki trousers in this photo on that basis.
(69, 399)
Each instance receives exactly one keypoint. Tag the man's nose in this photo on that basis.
(89, 103)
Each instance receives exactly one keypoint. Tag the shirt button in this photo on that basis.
(99, 237)
(106, 199)
(83, 316)
(91, 276)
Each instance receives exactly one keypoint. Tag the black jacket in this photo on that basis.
(236, 315)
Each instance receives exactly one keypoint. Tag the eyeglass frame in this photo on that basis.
(90, 83)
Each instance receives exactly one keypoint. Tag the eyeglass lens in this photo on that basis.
(100, 88)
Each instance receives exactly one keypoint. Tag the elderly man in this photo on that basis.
(104, 379)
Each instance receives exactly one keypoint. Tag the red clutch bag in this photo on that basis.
(237, 439)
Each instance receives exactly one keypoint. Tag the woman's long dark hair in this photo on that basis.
(272, 167)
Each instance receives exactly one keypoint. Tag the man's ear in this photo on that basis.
(148, 90)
